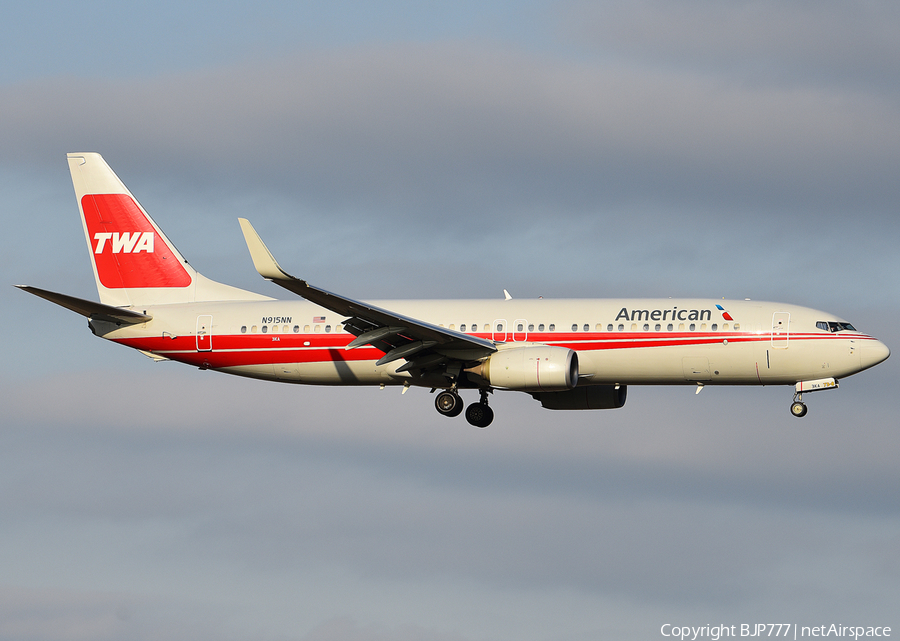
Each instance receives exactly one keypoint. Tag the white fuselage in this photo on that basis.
(627, 341)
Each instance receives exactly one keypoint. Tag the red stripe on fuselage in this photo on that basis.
(240, 349)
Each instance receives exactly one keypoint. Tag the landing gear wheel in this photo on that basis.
(448, 404)
(798, 409)
(479, 414)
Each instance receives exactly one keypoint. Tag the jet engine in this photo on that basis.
(530, 369)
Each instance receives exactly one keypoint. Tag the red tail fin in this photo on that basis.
(127, 250)
(134, 263)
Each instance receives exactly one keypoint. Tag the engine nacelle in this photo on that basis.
(536, 368)
(587, 397)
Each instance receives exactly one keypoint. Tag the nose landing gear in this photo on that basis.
(798, 407)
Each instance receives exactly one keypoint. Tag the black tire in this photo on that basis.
(799, 409)
(479, 414)
(448, 404)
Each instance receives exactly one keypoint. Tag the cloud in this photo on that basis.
(607, 502)
(820, 44)
(347, 629)
(448, 130)
(212, 505)
(477, 168)
(44, 614)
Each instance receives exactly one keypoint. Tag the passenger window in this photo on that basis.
(714, 327)
(574, 327)
(453, 326)
(462, 327)
(243, 329)
(306, 329)
(646, 327)
(274, 329)
(253, 329)
(265, 329)
(703, 327)
(586, 327)
(552, 327)
(680, 327)
(541, 327)
(296, 329)
(634, 327)
(693, 326)
(328, 329)
(609, 327)
(487, 327)
(658, 327)
(737, 326)
(725, 327)
(670, 327)
(317, 328)
(621, 327)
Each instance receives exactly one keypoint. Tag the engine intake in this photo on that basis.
(530, 369)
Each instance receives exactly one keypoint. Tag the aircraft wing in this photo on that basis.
(422, 344)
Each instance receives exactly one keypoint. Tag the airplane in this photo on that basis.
(567, 354)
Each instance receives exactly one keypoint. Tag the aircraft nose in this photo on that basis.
(872, 353)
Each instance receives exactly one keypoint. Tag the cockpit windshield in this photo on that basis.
(835, 326)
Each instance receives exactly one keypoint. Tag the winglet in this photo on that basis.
(263, 260)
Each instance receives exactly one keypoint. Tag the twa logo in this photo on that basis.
(126, 242)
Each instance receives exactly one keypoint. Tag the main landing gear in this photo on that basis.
(478, 414)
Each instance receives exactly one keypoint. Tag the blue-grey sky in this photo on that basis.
(401, 149)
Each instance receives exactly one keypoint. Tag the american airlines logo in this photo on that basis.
(125, 242)
(664, 314)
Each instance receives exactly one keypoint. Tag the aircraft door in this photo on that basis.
(520, 330)
(781, 322)
(204, 333)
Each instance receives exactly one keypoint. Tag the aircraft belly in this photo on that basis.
(728, 364)
(323, 373)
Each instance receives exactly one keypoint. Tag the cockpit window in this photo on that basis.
(834, 326)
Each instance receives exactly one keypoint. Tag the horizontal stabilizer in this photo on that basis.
(94, 311)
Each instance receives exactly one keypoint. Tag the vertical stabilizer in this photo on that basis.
(134, 263)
